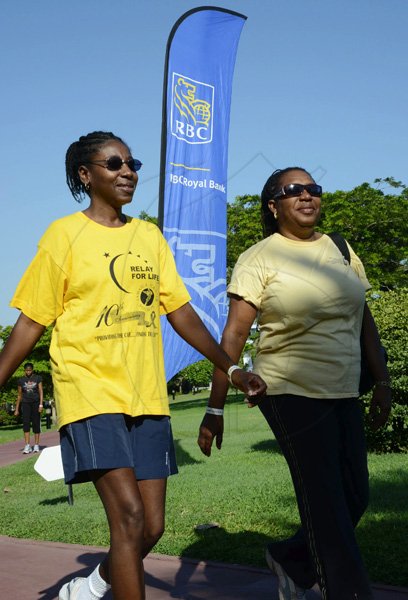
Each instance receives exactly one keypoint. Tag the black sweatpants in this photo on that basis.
(324, 444)
(31, 415)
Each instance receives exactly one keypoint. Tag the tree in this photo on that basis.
(198, 374)
(376, 226)
(244, 227)
(390, 311)
(144, 216)
(4, 334)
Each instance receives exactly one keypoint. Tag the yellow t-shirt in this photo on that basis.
(105, 289)
(310, 305)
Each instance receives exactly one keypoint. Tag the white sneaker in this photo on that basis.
(288, 590)
(27, 449)
(70, 590)
(36, 448)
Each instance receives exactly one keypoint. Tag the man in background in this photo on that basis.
(30, 396)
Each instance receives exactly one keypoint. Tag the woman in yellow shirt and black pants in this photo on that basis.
(310, 307)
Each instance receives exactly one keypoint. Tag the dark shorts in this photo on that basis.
(113, 441)
(31, 416)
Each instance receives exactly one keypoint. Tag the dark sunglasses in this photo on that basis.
(114, 163)
(296, 189)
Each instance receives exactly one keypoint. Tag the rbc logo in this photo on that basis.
(191, 110)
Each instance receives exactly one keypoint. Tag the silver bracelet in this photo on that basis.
(214, 411)
(230, 372)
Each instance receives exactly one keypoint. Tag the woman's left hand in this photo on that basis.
(380, 406)
(251, 384)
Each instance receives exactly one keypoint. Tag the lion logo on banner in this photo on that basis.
(192, 117)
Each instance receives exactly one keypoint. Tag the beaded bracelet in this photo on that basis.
(230, 372)
(384, 383)
(214, 411)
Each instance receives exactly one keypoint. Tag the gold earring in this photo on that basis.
(275, 214)
(87, 187)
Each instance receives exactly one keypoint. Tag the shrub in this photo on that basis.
(198, 374)
(7, 417)
(390, 311)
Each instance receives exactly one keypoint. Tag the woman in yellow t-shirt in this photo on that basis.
(310, 306)
(103, 278)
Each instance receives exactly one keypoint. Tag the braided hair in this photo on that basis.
(81, 152)
(270, 189)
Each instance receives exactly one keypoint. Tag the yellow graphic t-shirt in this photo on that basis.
(310, 305)
(105, 289)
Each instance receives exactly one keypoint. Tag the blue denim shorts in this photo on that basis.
(112, 441)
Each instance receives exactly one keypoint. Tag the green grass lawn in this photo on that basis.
(245, 488)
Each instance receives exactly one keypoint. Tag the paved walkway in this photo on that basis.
(13, 451)
(32, 570)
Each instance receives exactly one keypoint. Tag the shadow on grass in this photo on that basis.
(217, 544)
(54, 501)
(193, 402)
(183, 457)
(269, 446)
(13, 427)
(185, 404)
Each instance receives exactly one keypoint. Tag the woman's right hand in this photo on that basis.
(251, 384)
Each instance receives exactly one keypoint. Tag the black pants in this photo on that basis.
(31, 415)
(324, 444)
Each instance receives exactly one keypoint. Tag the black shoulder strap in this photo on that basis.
(341, 244)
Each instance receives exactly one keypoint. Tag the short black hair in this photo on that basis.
(270, 189)
(28, 365)
(81, 152)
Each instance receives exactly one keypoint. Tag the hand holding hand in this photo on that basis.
(380, 406)
(249, 383)
(212, 426)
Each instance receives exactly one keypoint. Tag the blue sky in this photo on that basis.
(318, 83)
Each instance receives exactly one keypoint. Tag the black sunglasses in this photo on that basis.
(296, 189)
(114, 163)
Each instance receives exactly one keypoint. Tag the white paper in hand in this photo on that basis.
(49, 464)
